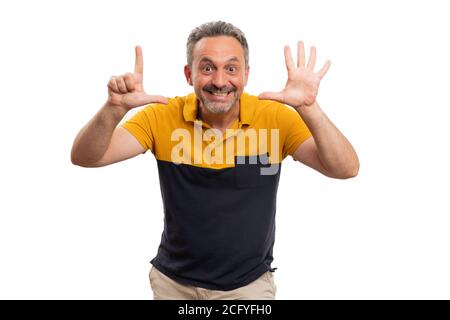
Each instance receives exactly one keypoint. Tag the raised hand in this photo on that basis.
(127, 90)
(303, 83)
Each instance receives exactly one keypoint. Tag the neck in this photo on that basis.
(220, 121)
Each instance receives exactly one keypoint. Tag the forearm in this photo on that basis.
(334, 150)
(94, 138)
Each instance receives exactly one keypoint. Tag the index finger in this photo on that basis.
(288, 58)
(139, 64)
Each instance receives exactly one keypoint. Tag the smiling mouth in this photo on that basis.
(219, 94)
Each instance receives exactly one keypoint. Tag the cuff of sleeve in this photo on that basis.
(129, 127)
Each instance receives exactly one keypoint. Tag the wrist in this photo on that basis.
(117, 111)
(312, 114)
(307, 108)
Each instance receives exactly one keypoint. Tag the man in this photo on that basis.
(218, 152)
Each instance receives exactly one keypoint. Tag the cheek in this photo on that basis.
(238, 81)
(199, 80)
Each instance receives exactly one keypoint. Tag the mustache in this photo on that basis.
(214, 89)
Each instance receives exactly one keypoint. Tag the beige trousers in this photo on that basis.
(164, 288)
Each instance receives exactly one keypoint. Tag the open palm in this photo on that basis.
(303, 83)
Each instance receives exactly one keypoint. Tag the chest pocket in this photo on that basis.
(255, 171)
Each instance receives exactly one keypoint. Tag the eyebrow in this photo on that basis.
(205, 59)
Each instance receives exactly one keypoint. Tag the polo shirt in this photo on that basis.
(218, 189)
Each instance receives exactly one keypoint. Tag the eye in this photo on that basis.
(232, 69)
(207, 68)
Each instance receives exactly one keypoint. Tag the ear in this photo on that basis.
(188, 75)
(246, 73)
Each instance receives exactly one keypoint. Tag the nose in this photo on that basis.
(219, 79)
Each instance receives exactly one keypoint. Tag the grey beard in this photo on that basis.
(218, 108)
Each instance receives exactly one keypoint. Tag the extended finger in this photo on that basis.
(288, 58)
(324, 69)
(312, 59)
(276, 96)
(300, 54)
(139, 63)
(129, 82)
(121, 85)
(158, 99)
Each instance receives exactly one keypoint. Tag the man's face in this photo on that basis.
(218, 73)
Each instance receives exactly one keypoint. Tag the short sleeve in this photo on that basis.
(142, 125)
(293, 130)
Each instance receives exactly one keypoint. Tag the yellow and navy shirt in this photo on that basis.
(218, 188)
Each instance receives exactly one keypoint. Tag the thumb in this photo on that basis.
(157, 99)
(137, 99)
(277, 96)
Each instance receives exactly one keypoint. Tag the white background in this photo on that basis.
(69, 232)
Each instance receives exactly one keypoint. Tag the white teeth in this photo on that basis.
(223, 94)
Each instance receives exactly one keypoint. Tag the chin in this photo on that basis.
(218, 108)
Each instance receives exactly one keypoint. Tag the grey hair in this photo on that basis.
(215, 29)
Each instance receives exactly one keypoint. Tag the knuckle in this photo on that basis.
(125, 76)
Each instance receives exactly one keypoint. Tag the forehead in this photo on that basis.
(220, 48)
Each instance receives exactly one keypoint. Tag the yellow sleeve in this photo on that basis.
(141, 126)
(293, 130)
